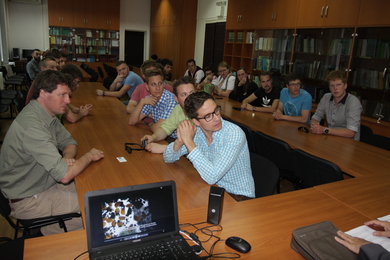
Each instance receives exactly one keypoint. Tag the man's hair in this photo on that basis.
(153, 73)
(43, 62)
(154, 57)
(194, 101)
(35, 50)
(159, 66)
(208, 68)
(63, 55)
(120, 62)
(265, 73)
(166, 62)
(54, 54)
(148, 64)
(74, 72)
(48, 80)
(337, 74)
(292, 77)
(191, 60)
(182, 81)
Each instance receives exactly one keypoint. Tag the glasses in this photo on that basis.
(336, 85)
(131, 149)
(221, 71)
(303, 129)
(295, 84)
(210, 116)
(76, 81)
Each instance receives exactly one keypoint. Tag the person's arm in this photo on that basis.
(117, 83)
(137, 115)
(72, 116)
(248, 100)
(350, 242)
(131, 106)
(199, 76)
(175, 150)
(117, 94)
(80, 164)
(300, 119)
(270, 109)
(154, 126)
(279, 111)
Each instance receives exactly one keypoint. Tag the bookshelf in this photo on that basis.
(85, 45)
(239, 49)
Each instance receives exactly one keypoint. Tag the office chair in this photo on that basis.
(7, 97)
(312, 170)
(101, 74)
(248, 133)
(265, 175)
(278, 152)
(365, 133)
(13, 249)
(379, 141)
(10, 81)
(26, 225)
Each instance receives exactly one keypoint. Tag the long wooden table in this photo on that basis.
(353, 157)
(266, 223)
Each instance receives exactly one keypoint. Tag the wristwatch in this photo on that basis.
(326, 131)
(254, 108)
(104, 93)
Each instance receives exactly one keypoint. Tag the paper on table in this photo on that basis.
(366, 233)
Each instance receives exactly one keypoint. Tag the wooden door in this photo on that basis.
(286, 14)
(341, 13)
(311, 13)
(374, 13)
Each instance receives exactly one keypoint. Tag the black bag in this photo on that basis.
(316, 242)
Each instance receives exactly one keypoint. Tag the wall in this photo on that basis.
(29, 29)
(207, 13)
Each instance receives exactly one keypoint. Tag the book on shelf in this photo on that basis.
(230, 37)
(240, 36)
(88, 33)
(249, 37)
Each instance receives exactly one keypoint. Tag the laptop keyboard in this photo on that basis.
(177, 248)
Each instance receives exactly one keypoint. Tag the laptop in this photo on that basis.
(121, 221)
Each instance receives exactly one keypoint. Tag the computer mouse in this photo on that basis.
(238, 244)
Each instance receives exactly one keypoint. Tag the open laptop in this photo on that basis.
(123, 220)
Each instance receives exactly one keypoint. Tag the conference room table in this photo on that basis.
(353, 157)
(266, 223)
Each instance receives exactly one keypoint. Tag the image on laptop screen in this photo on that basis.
(134, 213)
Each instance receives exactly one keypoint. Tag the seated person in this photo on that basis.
(72, 113)
(295, 103)
(216, 148)
(141, 90)
(342, 110)
(243, 87)
(158, 104)
(182, 88)
(206, 85)
(265, 98)
(125, 82)
(367, 250)
(194, 72)
(224, 84)
(167, 65)
(33, 67)
(34, 176)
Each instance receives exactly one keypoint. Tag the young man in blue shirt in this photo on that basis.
(295, 103)
(217, 149)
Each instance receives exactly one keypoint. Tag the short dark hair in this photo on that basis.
(191, 60)
(182, 81)
(194, 101)
(160, 66)
(62, 54)
(54, 54)
(48, 80)
(337, 74)
(43, 62)
(120, 62)
(154, 57)
(166, 62)
(208, 68)
(153, 73)
(74, 72)
(266, 73)
(292, 77)
(148, 64)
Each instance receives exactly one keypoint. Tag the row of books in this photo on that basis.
(373, 48)
(313, 45)
(274, 44)
(316, 92)
(60, 31)
(267, 64)
(376, 109)
(315, 70)
(371, 79)
(60, 40)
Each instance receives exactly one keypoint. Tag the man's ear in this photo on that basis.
(42, 93)
(176, 100)
(195, 121)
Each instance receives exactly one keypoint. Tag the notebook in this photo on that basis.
(121, 219)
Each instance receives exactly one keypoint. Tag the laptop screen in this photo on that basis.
(130, 214)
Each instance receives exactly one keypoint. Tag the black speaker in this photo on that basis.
(214, 213)
(15, 54)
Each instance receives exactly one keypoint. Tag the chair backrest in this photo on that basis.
(100, 73)
(265, 175)
(19, 103)
(365, 133)
(275, 150)
(248, 133)
(378, 141)
(313, 170)
(5, 208)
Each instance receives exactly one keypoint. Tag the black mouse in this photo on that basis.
(238, 244)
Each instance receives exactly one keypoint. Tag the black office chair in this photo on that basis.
(11, 81)
(13, 249)
(379, 141)
(312, 170)
(278, 152)
(101, 74)
(248, 133)
(365, 133)
(265, 175)
(26, 225)
(7, 97)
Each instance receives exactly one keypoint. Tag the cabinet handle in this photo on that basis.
(326, 11)
(322, 12)
(275, 16)
(238, 18)
(86, 21)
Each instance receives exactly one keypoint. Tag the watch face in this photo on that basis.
(326, 131)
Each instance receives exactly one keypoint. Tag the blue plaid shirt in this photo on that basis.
(162, 109)
(225, 162)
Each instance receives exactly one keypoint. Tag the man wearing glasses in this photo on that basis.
(218, 149)
(295, 103)
(342, 110)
